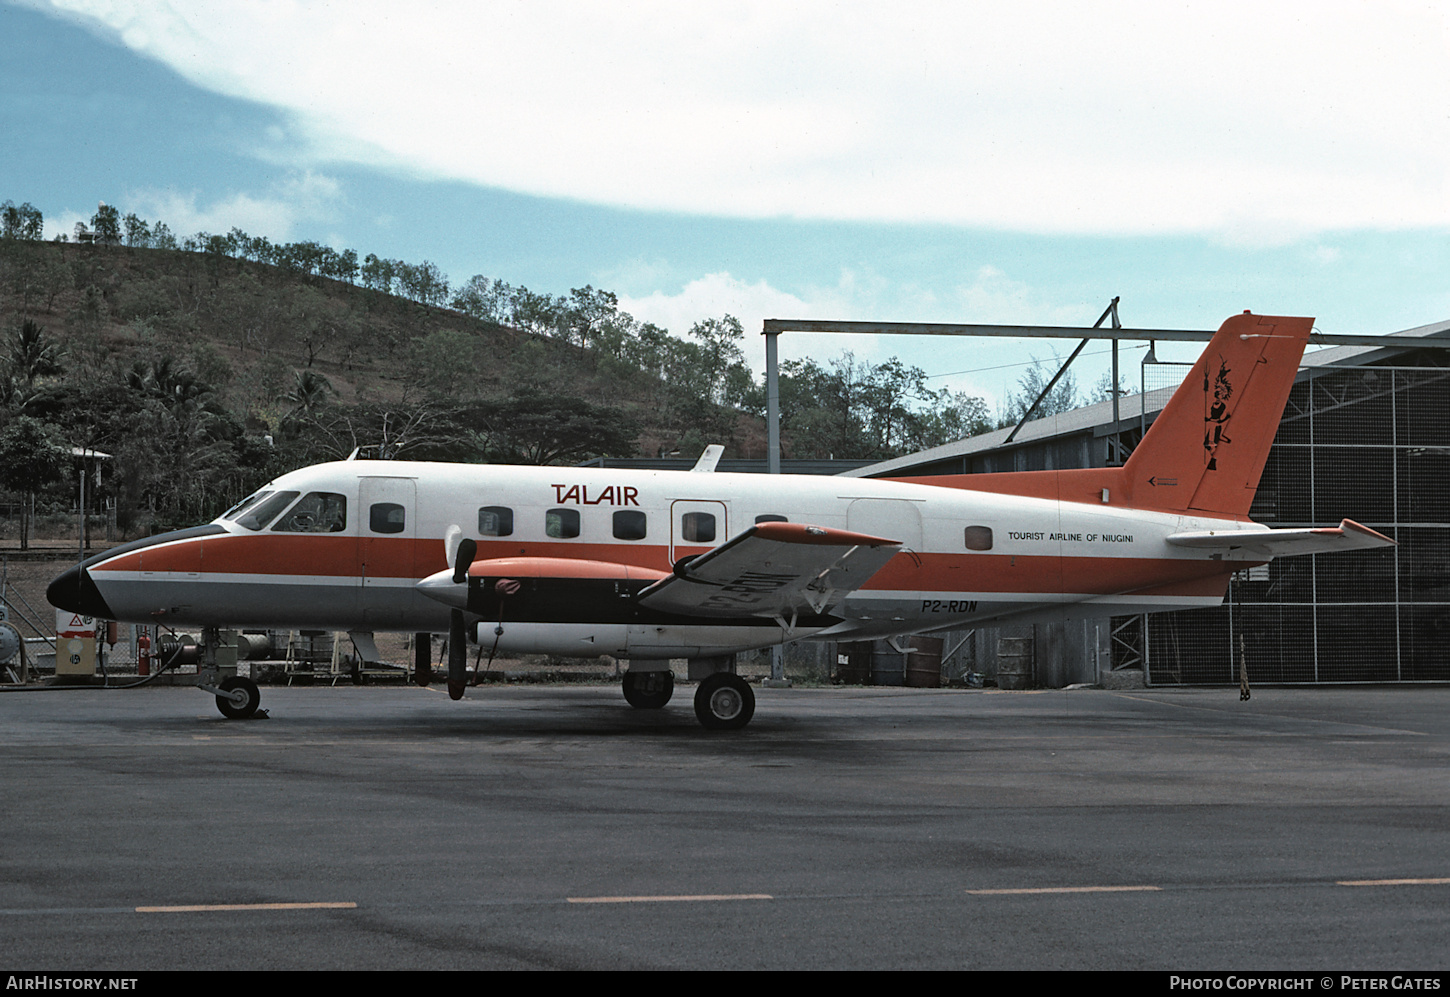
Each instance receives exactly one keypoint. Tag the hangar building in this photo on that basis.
(1365, 436)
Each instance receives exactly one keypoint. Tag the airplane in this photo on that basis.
(703, 565)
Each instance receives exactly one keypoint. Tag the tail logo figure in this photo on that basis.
(1218, 413)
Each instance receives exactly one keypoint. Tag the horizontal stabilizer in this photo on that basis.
(773, 570)
(1348, 535)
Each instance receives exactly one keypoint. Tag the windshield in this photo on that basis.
(246, 504)
(259, 515)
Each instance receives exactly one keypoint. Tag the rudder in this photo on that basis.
(1207, 449)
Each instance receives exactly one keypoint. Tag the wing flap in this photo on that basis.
(773, 570)
(1348, 535)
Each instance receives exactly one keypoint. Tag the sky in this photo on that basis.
(919, 162)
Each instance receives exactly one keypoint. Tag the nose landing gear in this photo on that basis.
(239, 698)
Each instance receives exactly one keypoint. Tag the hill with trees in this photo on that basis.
(208, 364)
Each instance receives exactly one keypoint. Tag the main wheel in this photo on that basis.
(648, 690)
(229, 704)
(724, 702)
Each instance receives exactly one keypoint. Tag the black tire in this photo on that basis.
(724, 702)
(648, 690)
(229, 708)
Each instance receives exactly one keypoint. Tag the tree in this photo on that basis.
(1103, 390)
(30, 353)
(536, 313)
(378, 274)
(24, 222)
(484, 298)
(138, 233)
(422, 282)
(586, 313)
(106, 224)
(533, 428)
(728, 377)
(29, 460)
(1062, 398)
(161, 237)
(310, 392)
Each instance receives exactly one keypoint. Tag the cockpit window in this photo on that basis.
(318, 512)
(257, 515)
(246, 503)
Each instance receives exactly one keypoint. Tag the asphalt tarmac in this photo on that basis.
(536, 827)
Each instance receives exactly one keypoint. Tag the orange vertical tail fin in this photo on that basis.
(1207, 448)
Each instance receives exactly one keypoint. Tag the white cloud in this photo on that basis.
(275, 215)
(1245, 120)
(717, 294)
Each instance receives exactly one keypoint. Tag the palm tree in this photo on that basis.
(30, 353)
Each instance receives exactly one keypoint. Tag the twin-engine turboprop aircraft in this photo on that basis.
(653, 565)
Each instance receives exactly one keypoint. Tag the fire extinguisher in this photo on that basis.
(143, 653)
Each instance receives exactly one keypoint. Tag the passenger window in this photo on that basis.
(629, 525)
(259, 515)
(318, 512)
(562, 524)
(698, 527)
(386, 517)
(979, 537)
(771, 518)
(495, 521)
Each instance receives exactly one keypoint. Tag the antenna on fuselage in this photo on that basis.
(709, 458)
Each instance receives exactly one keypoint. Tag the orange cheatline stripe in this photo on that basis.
(665, 899)
(192, 908)
(1393, 882)
(1069, 889)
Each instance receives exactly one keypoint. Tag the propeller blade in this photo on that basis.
(467, 548)
(457, 655)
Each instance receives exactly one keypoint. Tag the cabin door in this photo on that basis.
(387, 539)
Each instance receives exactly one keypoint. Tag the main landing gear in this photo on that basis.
(649, 690)
(724, 701)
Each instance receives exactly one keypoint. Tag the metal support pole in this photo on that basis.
(772, 435)
(1112, 310)
(1117, 455)
(772, 403)
(82, 558)
(1045, 391)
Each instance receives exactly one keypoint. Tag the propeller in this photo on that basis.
(457, 637)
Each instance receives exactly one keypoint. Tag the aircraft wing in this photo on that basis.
(774, 570)
(1348, 535)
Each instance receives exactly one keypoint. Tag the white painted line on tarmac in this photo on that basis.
(696, 898)
(1393, 882)
(1067, 889)
(194, 908)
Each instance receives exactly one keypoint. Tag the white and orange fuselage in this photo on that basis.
(661, 564)
(1035, 555)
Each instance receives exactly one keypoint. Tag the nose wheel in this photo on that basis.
(724, 701)
(648, 690)
(239, 698)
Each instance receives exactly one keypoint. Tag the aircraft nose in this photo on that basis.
(74, 591)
